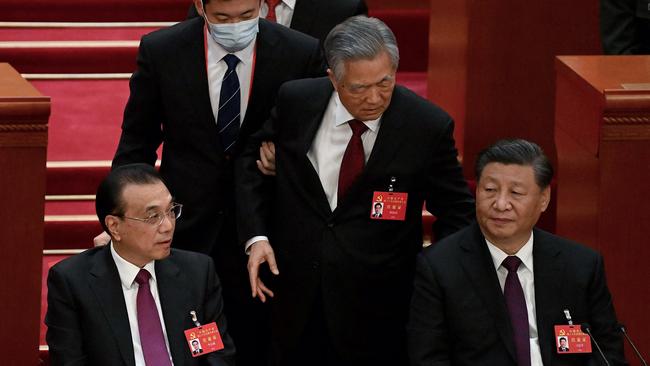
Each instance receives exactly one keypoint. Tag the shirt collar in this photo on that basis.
(525, 254)
(218, 52)
(290, 3)
(342, 116)
(128, 270)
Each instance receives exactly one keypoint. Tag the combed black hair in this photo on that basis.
(519, 152)
(108, 200)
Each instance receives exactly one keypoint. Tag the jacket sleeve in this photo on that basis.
(253, 190)
(449, 198)
(141, 127)
(64, 335)
(214, 312)
(426, 330)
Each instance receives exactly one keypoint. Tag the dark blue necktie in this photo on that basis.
(516, 303)
(229, 105)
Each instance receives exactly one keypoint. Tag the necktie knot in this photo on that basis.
(511, 263)
(231, 60)
(358, 127)
(143, 277)
(272, 4)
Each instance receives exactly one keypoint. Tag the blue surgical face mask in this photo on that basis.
(234, 37)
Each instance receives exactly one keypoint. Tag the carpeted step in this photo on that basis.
(70, 57)
(93, 10)
(70, 222)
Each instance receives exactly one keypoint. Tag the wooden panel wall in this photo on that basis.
(23, 142)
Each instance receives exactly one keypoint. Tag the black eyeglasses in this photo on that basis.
(157, 218)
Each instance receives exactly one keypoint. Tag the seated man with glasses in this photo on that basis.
(131, 301)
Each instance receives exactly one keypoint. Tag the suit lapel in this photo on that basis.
(105, 283)
(193, 70)
(389, 139)
(265, 65)
(549, 272)
(313, 188)
(478, 265)
(175, 303)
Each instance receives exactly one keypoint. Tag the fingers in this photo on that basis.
(262, 169)
(253, 270)
(273, 266)
(266, 163)
(262, 291)
(101, 239)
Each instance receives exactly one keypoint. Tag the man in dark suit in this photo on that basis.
(492, 293)
(129, 303)
(313, 17)
(625, 27)
(176, 99)
(343, 292)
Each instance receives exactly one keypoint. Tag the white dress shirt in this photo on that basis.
(329, 145)
(283, 12)
(527, 280)
(217, 68)
(128, 272)
(331, 140)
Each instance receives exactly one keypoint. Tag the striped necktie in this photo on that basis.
(229, 112)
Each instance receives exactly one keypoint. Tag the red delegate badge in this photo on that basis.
(388, 206)
(570, 339)
(204, 339)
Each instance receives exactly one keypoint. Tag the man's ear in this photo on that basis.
(546, 198)
(330, 74)
(198, 4)
(113, 225)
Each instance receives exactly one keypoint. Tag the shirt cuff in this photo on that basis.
(253, 240)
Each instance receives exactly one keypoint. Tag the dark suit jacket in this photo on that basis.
(625, 27)
(363, 267)
(317, 17)
(87, 319)
(459, 316)
(170, 104)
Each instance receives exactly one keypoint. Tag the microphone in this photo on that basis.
(585, 327)
(621, 327)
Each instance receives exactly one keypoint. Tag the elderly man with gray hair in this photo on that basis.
(342, 279)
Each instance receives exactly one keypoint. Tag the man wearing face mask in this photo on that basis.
(312, 17)
(201, 88)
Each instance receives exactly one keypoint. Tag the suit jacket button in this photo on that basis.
(330, 225)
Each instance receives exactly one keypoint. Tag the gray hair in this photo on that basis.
(357, 38)
(518, 152)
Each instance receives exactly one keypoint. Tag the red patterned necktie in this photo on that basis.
(152, 338)
(272, 4)
(516, 303)
(353, 159)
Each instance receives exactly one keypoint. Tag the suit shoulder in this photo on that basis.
(287, 38)
(447, 248)
(186, 258)
(421, 109)
(305, 88)
(573, 250)
(169, 36)
(79, 262)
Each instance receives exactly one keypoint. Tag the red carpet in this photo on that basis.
(86, 117)
(93, 10)
(74, 33)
